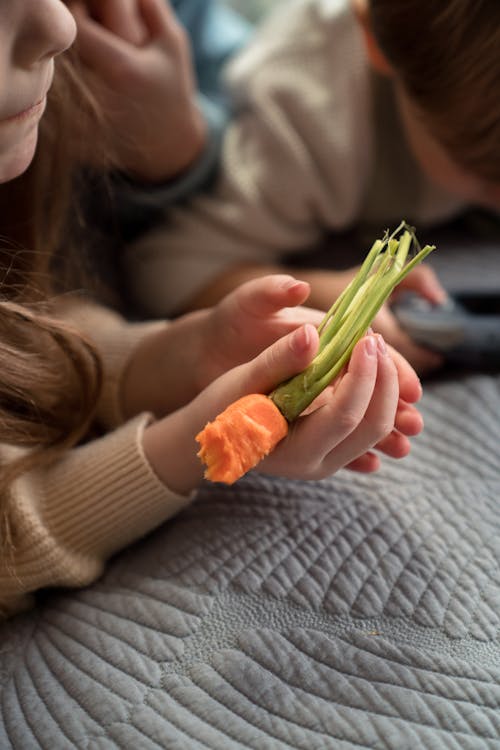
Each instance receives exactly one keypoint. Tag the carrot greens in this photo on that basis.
(350, 316)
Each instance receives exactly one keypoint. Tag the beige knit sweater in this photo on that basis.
(316, 146)
(67, 520)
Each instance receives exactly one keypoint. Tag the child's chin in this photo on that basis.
(18, 158)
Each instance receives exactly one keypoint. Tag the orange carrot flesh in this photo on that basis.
(240, 437)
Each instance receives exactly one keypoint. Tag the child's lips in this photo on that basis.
(27, 114)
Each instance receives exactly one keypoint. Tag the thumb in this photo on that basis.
(266, 295)
(423, 281)
(280, 361)
(422, 359)
(283, 359)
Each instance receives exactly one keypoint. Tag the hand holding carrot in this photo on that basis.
(317, 399)
(370, 406)
(251, 318)
(251, 428)
(209, 342)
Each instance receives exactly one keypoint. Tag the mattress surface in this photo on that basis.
(357, 612)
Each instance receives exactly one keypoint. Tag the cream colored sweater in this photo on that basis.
(315, 147)
(67, 520)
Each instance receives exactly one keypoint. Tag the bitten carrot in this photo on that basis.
(252, 426)
(240, 437)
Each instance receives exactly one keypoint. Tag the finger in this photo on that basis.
(295, 316)
(283, 359)
(408, 420)
(280, 361)
(394, 445)
(330, 424)
(365, 464)
(159, 18)
(422, 359)
(265, 296)
(424, 281)
(378, 420)
(410, 387)
(121, 17)
(381, 412)
(100, 49)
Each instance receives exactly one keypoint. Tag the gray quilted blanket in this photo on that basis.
(357, 612)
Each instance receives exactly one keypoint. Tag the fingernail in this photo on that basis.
(371, 346)
(301, 339)
(381, 344)
(290, 283)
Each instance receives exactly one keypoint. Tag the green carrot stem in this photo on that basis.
(342, 302)
(334, 316)
(350, 316)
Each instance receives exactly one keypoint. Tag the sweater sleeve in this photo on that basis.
(115, 339)
(67, 520)
(293, 160)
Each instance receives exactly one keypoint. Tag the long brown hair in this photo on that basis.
(446, 55)
(50, 376)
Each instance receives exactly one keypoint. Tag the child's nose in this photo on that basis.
(46, 29)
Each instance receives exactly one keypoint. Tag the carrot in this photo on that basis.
(252, 426)
(240, 437)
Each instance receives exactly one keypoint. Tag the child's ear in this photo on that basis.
(375, 55)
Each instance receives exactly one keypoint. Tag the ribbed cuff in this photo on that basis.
(105, 495)
(116, 348)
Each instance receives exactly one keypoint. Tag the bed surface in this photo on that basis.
(357, 612)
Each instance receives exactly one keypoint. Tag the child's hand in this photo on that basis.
(209, 342)
(172, 365)
(251, 318)
(369, 406)
(140, 71)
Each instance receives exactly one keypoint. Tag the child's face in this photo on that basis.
(32, 33)
(439, 167)
(432, 158)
